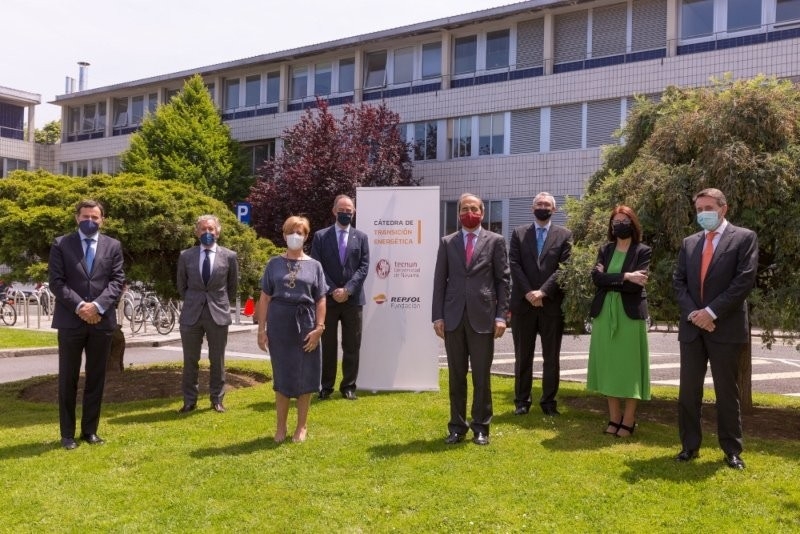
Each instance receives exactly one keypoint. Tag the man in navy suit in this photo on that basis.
(86, 277)
(343, 252)
(716, 271)
(537, 252)
(469, 305)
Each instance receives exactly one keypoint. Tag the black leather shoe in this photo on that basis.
(92, 439)
(349, 394)
(453, 438)
(324, 394)
(551, 411)
(734, 461)
(186, 408)
(687, 454)
(521, 410)
(69, 443)
(481, 439)
(218, 407)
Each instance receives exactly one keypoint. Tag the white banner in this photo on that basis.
(399, 350)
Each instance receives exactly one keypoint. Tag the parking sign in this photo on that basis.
(243, 212)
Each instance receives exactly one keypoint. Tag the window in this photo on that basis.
(375, 73)
(744, 14)
(73, 120)
(169, 93)
(100, 122)
(403, 65)
(137, 109)
(13, 165)
(231, 94)
(787, 10)
(152, 102)
(299, 87)
(210, 88)
(273, 87)
(97, 166)
(120, 112)
(466, 54)
(425, 140)
(347, 75)
(82, 168)
(497, 44)
(322, 79)
(252, 90)
(697, 18)
(493, 215)
(89, 117)
(431, 60)
(256, 155)
(461, 138)
(491, 134)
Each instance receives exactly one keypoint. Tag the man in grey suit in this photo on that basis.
(716, 270)
(86, 277)
(469, 305)
(208, 276)
(536, 253)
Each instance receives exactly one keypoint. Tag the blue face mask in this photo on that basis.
(708, 220)
(88, 227)
(344, 218)
(207, 239)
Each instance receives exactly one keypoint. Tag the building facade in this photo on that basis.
(17, 114)
(503, 102)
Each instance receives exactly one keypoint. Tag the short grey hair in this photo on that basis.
(546, 195)
(204, 218)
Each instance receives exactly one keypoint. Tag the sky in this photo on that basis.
(125, 40)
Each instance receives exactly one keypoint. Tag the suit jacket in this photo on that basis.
(730, 277)
(529, 271)
(351, 275)
(222, 285)
(481, 290)
(634, 296)
(71, 282)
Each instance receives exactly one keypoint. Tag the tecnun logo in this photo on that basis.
(382, 268)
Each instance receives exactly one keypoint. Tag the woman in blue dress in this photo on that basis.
(291, 319)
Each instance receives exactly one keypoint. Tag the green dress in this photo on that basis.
(619, 359)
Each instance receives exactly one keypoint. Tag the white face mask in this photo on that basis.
(294, 241)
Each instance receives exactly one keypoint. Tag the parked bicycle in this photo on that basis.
(151, 310)
(9, 312)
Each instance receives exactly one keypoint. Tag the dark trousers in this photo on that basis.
(724, 359)
(524, 328)
(192, 341)
(71, 344)
(351, 317)
(467, 348)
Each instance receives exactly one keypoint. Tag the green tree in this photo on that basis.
(185, 140)
(154, 220)
(49, 134)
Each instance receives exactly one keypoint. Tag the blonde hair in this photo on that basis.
(293, 222)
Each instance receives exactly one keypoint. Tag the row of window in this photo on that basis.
(7, 165)
(703, 18)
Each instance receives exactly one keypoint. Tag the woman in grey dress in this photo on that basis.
(291, 319)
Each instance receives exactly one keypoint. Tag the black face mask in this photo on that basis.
(542, 214)
(344, 218)
(622, 230)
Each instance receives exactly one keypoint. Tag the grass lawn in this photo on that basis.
(17, 338)
(376, 465)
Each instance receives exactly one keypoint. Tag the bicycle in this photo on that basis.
(8, 311)
(150, 309)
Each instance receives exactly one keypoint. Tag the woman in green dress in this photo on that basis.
(619, 364)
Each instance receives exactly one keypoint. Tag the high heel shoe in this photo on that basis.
(615, 426)
(628, 429)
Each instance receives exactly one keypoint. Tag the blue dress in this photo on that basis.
(294, 286)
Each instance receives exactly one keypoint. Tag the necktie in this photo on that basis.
(470, 247)
(342, 245)
(207, 266)
(708, 253)
(540, 237)
(89, 254)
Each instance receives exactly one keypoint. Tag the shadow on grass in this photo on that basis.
(666, 468)
(26, 450)
(258, 444)
(417, 446)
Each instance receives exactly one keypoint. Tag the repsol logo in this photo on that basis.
(404, 299)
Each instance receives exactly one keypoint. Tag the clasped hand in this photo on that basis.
(702, 319)
(88, 312)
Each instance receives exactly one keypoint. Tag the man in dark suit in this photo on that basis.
(469, 306)
(716, 271)
(208, 276)
(537, 251)
(86, 277)
(343, 252)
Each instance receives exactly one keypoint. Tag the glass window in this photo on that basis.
(97, 166)
(120, 112)
(697, 18)
(89, 118)
(82, 168)
(449, 217)
(231, 94)
(169, 93)
(744, 14)
(347, 75)
(100, 123)
(273, 87)
(492, 130)
(322, 79)
(73, 120)
(375, 73)
(210, 89)
(299, 82)
(152, 102)
(252, 90)
(497, 49)
(461, 140)
(431, 60)
(257, 154)
(787, 10)
(137, 109)
(425, 140)
(493, 216)
(403, 65)
(466, 53)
